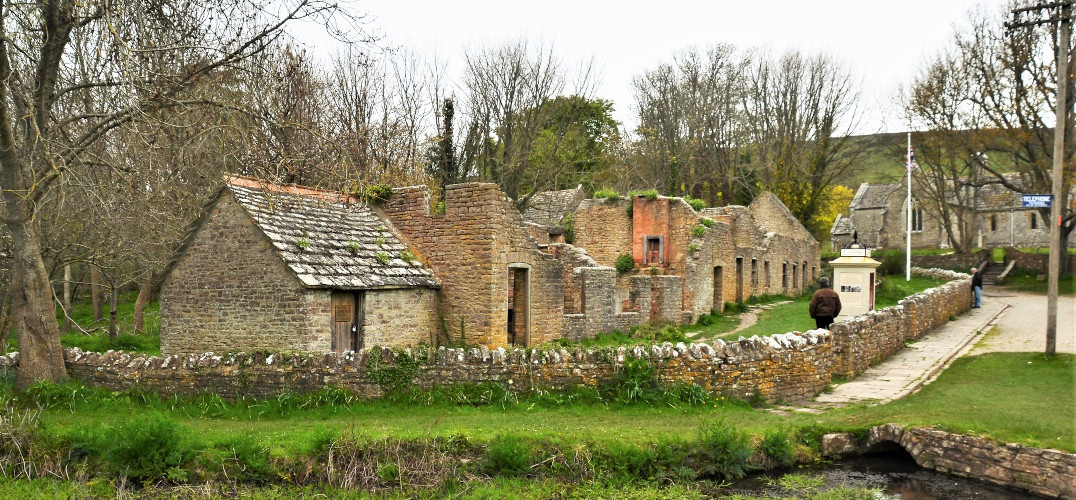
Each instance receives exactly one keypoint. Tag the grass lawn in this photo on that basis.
(1025, 398)
(794, 317)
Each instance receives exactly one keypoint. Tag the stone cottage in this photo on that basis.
(288, 268)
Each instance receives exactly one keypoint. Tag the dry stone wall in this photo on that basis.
(789, 367)
(868, 338)
(233, 289)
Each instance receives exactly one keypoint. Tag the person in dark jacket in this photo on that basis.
(977, 287)
(825, 305)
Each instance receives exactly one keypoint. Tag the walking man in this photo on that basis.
(825, 305)
(977, 287)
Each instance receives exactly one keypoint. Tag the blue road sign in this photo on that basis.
(1038, 200)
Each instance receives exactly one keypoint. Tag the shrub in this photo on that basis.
(693, 247)
(625, 263)
(439, 208)
(707, 222)
(696, 203)
(407, 256)
(302, 243)
(569, 229)
(383, 257)
(650, 194)
(607, 194)
(735, 307)
(777, 449)
(653, 270)
(352, 247)
(509, 455)
(724, 451)
(146, 447)
(635, 382)
(377, 193)
(247, 461)
(698, 231)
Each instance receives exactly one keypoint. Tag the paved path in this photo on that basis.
(1020, 323)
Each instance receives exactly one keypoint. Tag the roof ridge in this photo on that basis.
(295, 189)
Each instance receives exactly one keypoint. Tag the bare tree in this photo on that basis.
(691, 130)
(799, 112)
(1003, 98)
(949, 152)
(509, 90)
(73, 73)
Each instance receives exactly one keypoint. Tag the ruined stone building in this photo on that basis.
(878, 212)
(290, 268)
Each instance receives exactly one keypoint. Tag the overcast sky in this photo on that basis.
(883, 42)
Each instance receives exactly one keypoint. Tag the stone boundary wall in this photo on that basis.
(1034, 261)
(963, 262)
(791, 367)
(1046, 472)
(868, 338)
(787, 367)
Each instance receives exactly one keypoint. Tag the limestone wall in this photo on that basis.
(1051, 473)
(788, 367)
(868, 338)
(604, 228)
(471, 248)
(399, 318)
(232, 289)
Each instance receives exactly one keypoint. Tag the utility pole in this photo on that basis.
(1059, 12)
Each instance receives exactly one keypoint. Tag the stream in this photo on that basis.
(896, 474)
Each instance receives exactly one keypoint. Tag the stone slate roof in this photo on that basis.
(548, 208)
(842, 225)
(873, 195)
(342, 238)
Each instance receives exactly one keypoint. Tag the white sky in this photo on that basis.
(885, 43)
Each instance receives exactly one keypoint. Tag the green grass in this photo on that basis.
(1028, 281)
(1025, 398)
(127, 339)
(795, 317)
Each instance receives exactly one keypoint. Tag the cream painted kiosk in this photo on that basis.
(853, 280)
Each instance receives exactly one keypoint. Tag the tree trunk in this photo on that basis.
(113, 296)
(67, 297)
(144, 292)
(95, 295)
(40, 354)
(5, 323)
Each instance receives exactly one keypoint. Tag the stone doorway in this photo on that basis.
(518, 306)
(739, 279)
(346, 321)
(719, 295)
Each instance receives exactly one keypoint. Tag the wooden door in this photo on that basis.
(346, 321)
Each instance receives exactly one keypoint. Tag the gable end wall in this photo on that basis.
(231, 292)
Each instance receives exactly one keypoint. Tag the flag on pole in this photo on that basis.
(911, 159)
